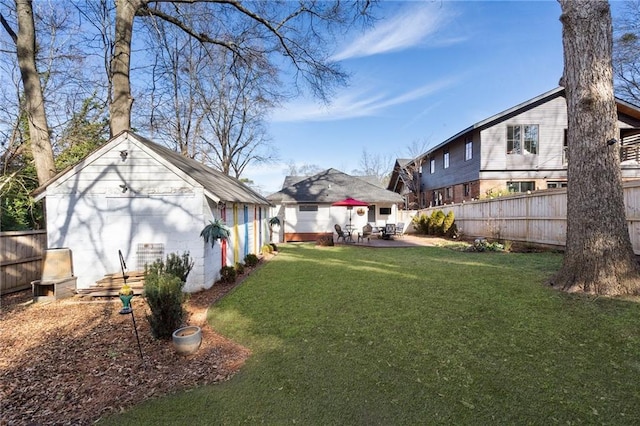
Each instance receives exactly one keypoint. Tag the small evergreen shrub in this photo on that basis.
(228, 274)
(447, 223)
(266, 249)
(239, 268)
(251, 260)
(179, 266)
(421, 223)
(273, 246)
(438, 225)
(163, 293)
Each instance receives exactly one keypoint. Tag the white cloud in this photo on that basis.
(353, 104)
(412, 26)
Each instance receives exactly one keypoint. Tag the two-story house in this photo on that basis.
(518, 150)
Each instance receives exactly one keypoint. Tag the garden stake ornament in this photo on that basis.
(126, 294)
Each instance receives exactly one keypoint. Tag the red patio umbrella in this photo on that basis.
(349, 203)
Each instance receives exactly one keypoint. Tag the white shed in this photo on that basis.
(147, 201)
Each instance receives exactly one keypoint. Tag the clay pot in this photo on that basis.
(187, 340)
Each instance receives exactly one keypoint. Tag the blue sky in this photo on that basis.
(426, 71)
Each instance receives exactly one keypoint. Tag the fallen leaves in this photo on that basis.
(76, 360)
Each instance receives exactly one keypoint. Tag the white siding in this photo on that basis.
(101, 225)
(552, 120)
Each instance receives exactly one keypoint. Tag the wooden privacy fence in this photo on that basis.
(539, 217)
(20, 259)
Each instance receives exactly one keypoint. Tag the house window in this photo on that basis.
(432, 166)
(521, 186)
(466, 189)
(559, 184)
(522, 139)
(308, 207)
(448, 193)
(445, 160)
(468, 150)
(385, 210)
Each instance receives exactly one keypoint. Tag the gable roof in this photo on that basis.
(330, 186)
(622, 107)
(217, 185)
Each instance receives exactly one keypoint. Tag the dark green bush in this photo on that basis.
(163, 293)
(176, 265)
(273, 246)
(179, 266)
(239, 268)
(251, 260)
(228, 274)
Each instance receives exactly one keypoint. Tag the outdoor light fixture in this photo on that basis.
(124, 187)
(123, 154)
(221, 205)
(612, 141)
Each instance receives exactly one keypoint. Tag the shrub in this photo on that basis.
(421, 223)
(433, 219)
(273, 246)
(163, 293)
(325, 240)
(447, 223)
(439, 222)
(179, 266)
(266, 249)
(239, 268)
(228, 274)
(251, 260)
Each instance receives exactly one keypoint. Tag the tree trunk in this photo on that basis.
(34, 100)
(122, 101)
(599, 257)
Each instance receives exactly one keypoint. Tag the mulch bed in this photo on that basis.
(76, 360)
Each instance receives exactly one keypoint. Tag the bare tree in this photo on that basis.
(303, 170)
(289, 30)
(25, 41)
(208, 103)
(374, 165)
(599, 257)
(626, 53)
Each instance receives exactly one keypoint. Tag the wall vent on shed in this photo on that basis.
(148, 253)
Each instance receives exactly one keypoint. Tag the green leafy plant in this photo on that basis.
(266, 249)
(273, 222)
(251, 260)
(239, 268)
(215, 230)
(179, 265)
(163, 293)
(228, 274)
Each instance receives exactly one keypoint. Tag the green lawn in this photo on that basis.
(350, 335)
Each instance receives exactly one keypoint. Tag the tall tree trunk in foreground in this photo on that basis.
(34, 100)
(599, 256)
(120, 107)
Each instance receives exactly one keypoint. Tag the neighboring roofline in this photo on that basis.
(497, 117)
(621, 105)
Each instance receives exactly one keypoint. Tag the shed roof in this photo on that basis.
(330, 186)
(215, 183)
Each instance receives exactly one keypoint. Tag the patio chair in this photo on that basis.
(365, 233)
(341, 233)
